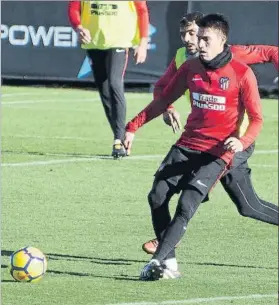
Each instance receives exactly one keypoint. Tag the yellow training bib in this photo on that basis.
(112, 24)
(244, 125)
(180, 59)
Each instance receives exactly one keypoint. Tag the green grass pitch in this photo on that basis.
(90, 215)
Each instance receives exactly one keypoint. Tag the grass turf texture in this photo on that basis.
(90, 215)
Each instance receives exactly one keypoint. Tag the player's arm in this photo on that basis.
(256, 54)
(143, 18)
(251, 99)
(74, 12)
(171, 93)
(143, 24)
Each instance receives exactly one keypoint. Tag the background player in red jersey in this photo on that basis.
(221, 89)
(236, 182)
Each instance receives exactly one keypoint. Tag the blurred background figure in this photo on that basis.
(106, 31)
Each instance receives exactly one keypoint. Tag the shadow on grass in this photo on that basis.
(94, 260)
(121, 262)
(118, 277)
(79, 274)
(230, 265)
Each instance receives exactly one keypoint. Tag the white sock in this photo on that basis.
(171, 263)
(117, 141)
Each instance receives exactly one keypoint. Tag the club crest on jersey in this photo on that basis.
(224, 83)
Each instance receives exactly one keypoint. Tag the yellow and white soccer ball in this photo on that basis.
(28, 264)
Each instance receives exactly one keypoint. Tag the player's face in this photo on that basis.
(210, 42)
(189, 37)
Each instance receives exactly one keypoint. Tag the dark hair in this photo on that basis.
(215, 21)
(189, 18)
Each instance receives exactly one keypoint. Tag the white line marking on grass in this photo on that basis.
(64, 91)
(6, 95)
(17, 94)
(47, 92)
(49, 162)
(138, 140)
(88, 158)
(138, 157)
(45, 137)
(265, 152)
(65, 100)
(202, 300)
(263, 165)
(71, 99)
(33, 93)
(25, 102)
(76, 160)
(77, 138)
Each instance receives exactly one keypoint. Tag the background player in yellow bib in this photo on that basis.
(107, 29)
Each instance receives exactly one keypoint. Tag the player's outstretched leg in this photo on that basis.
(238, 185)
